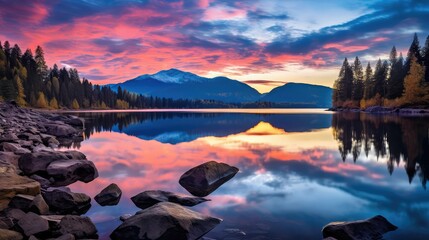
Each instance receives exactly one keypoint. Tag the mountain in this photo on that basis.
(177, 84)
(319, 96)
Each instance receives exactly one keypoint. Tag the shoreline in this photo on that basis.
(410, 112)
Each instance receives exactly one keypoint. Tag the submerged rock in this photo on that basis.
(63, 201)
(165, 221)
(372, 228)
(149, 198)
(204, 179)
(109, 196)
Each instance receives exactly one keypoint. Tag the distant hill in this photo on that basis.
(320, 96)
(177, 84)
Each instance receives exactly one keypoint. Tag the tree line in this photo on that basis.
(27, 79)
(396, 82)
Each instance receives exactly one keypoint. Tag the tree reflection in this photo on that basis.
(392, 137)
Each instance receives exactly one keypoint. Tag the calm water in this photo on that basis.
(299, 169)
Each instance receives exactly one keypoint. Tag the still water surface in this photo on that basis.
(299, 169)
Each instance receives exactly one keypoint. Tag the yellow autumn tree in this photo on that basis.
(415, 91)
(75, 104)
(41, 101)
(53, 103)
(19, 76)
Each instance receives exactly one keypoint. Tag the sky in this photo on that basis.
(263, 43)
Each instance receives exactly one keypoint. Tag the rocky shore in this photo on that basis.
(385, 110)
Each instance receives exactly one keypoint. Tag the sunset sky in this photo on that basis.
(264, 43)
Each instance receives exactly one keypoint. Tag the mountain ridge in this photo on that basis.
(176, 84)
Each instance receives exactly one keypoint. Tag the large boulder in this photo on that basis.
(60, 130)
(204, 179)
(149, 198)
(109, 196)
(165, 221)
(32, 224)
(12, 184)
(31, 163)
(372, 228)
(63, 201)
(66, 172)
(21, 201)
(80, 227)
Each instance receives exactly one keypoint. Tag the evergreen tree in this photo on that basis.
(425, 53)
(75, 104)
(368, 83)
(358, 87)
(380, 76)
(413, 51)
(395, 83)
(345, 82)
(42, 69)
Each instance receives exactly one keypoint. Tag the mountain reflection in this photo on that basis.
(177, 127)
(394, 138)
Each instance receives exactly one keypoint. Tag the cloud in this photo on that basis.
(265, 82)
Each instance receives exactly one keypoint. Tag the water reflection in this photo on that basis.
(388, 137)
(292, 179)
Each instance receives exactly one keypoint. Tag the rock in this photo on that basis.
(6, 223)
(32, 223)
(165, 221)
(60, 130)
(9, 137)
(39, 205)
(67, 236)
(14, 147)
(10, 235)
(372, 228)
(124, 217)
(21, 201)
(77, 122)
(44, 183)
(9, 162)
(63, 201)
(66, 172)
(204, 179)
(49, 140)
(38, 162)
(149, 198)
(53, 220)
(12, 184)
(14, 214)
(32, 238)
(80, 227)
(109, 196)
(72, 154)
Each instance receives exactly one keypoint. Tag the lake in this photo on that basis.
(299, 169)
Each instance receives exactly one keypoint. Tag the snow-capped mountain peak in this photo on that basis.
(176, 76)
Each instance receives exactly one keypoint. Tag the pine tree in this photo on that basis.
(395, 83)
(19, 76)
(425, 53)
(380, 76)
(368, 83)
(358, 88)
(42, 69)
(345, 82)
(413, 51)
